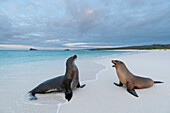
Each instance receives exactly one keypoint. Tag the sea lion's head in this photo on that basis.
(71, 59)
(116, 63)
(74, 57)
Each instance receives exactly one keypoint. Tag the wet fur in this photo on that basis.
(65, 83)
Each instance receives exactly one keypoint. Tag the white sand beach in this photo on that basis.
(102, 96)
(17, 80)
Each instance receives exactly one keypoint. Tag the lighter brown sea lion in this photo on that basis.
(130, 80)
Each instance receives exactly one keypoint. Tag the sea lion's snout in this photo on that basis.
(75, 56)
(114, 62)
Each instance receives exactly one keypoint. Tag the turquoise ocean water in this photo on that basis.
(9, 57)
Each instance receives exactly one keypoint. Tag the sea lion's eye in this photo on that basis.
(116, 61)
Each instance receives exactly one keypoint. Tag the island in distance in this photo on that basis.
(32, 49)
(67, 50)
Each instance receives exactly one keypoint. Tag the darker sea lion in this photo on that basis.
(131, 81)
(65, 83)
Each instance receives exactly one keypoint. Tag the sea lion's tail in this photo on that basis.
(158, 82)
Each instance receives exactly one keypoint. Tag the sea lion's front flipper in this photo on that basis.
(130, 89)
(68, 95)
(120, 84)
(78, 85)
(133, 92)
(68, 91)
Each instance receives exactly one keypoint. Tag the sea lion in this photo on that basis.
(130, 80)
(65, 83)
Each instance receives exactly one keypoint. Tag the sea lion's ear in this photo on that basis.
(113, 66)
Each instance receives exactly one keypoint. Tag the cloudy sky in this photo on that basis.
(60, 24)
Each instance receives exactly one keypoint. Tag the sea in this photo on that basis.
(10, 57)
(22, 70)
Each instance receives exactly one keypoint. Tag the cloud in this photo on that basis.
(20, 47)
(66, 23)
(16, 46)
(5, 26)
(35, 34)
(89, 12)
(53, 41)
(84, 17)
(74, 44)
(98, 46)
(86, 45)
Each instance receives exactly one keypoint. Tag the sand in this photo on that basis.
(102, 96)
(18, 79)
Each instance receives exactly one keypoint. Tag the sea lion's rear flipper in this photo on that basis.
(32, 96)
(158, 82)
(78, 85)
(68, 91)
(120, 84)
(133, 92)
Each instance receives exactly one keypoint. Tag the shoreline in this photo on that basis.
(97, 74)
(100, 71)
(26, 76)
(85, 81)
(90, 105)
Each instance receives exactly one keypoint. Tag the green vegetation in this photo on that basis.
(144, 47)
